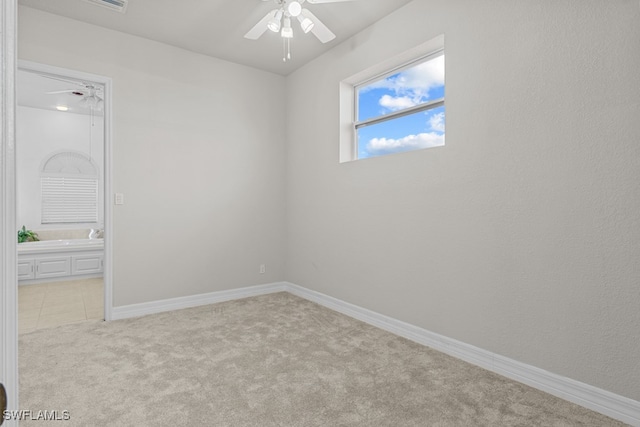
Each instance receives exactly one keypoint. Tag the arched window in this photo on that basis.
(69, 186)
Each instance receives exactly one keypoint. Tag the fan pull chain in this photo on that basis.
(286, 49)
(91, 125)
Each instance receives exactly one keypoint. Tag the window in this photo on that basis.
(396, 106)
(69, 189)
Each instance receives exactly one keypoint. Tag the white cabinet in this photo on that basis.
(36, 268)
(53, 267)
(26, 269)
(86, 264)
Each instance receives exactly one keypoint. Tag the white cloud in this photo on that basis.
(417, 80)
(423, 77)
(378, 146)
(410, 87)
(436, 122)
(396, 103)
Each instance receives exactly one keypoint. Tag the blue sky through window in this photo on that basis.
(416, 85)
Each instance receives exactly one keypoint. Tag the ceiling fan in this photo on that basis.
(279, 20)
(90, 93)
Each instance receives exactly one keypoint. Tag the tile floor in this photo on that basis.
(58, 303)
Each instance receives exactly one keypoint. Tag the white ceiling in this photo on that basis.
(217, 27)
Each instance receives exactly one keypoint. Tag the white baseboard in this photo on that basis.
(602, 401)
(142, 309)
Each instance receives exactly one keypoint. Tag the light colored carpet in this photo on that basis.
(273, 360)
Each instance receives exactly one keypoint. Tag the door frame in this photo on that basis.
(108, 151)
(8, 242)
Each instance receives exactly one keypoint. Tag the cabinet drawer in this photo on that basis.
(26, 269)
(86, 264)
(53, 267)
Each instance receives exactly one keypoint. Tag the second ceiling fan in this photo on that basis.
(90, 93)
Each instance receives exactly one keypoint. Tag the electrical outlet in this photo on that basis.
(263, 268)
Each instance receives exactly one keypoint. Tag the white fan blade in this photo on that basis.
(326, 1)
(64, 91)
(260, 27)
(319, 29)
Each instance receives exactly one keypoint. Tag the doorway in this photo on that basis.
(63, 175)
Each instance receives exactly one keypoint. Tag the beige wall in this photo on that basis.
(522, 235)
(198, 151)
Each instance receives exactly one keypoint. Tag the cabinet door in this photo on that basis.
(26, 269)
(86, 264)
(53, 267)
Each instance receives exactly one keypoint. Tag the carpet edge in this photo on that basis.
(160, 306)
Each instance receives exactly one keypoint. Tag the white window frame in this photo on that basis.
(348, 94)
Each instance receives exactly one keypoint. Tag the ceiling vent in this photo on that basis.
(117, 5)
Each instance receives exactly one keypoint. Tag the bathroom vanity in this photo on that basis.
(60, 260)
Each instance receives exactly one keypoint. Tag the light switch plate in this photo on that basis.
(119, 199)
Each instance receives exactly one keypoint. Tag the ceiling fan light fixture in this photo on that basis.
(305, 23)
(274, 23)
(294, 8)
(62, 108)
(287, 31)
(85, 103)
(92, 101)
(279, 20)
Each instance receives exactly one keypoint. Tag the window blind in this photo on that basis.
(69, 200)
